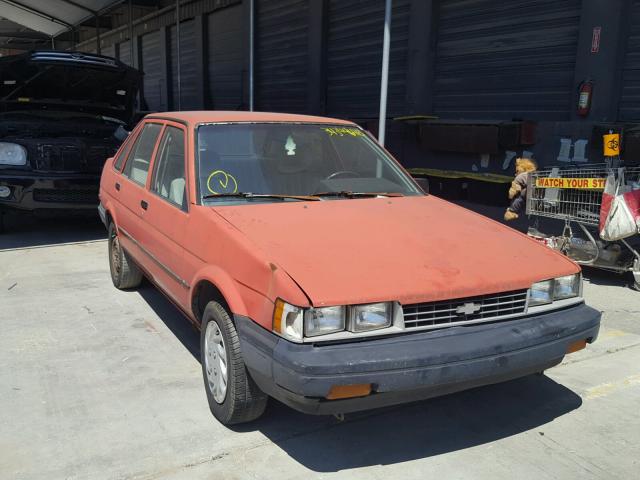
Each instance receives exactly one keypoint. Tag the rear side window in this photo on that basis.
(137, 167)
(117, 164)
(169, 180)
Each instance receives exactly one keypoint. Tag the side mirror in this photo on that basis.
(423, 183)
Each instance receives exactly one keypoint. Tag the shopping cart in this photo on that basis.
(574, 195)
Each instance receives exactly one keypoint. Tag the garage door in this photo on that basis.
(109, 51)
(630, 95)
(124, 53)
(153, 80)
(354, 57)
(188, 73)
(225, 52)
(281, 55)
(497, 59)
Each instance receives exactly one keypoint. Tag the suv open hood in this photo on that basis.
(70, 81)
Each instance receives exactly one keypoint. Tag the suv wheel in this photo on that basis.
(124, 273)
(232, 394)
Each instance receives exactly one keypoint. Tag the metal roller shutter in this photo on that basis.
(281, 55)
(124, 53)
(629, 108)
(188, 83)
(497, 59)
(225, 51)
(153, 80)
(109, 51)
(354, 57)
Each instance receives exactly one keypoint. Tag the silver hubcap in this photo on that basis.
(215, 360)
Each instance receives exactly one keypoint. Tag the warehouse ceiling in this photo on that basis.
(52, 17)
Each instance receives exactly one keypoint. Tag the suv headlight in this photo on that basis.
(12, 154)
(547, 291)
(295, 323)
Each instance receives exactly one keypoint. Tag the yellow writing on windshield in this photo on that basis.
(342, 131)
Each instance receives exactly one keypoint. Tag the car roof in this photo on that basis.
(214, 116)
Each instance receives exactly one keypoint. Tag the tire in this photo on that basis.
(242, 400)
(124, 273)
(2, 222)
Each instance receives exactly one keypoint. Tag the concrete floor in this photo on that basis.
(101, 384)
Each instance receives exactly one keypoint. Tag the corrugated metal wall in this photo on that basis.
(281, 55)
(109, 51)
(124, 52)
(225, 58)
(188, 84)
(354, 57)
(629, 108)
(153, 79)
(497, 59)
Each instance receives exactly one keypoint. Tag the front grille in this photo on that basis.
(462, 310)
(72, 157)
(76, 195)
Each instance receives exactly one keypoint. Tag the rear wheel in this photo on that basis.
(232, 394)
(124, 273)
(636, 274)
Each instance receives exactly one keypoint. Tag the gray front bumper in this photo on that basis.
(411, 366)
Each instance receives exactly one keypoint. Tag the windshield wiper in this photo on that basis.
(260, 195)
(348, 194)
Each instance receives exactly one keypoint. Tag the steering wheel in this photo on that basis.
(342, 173)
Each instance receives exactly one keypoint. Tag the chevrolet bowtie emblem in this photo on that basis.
(468, 309)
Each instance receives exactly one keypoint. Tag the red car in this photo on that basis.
(320, 274)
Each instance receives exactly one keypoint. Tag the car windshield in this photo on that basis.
(280, 161)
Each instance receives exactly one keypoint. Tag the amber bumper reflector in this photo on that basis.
(575, 346)
(349, 391)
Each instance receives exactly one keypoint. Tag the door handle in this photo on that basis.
(144, 204)
(117, 186)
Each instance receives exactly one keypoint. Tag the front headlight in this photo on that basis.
(287, 321)
(567, 287)
(12, 154)
(543, 293)
(296, 324)
(363, 318)
(320, 321)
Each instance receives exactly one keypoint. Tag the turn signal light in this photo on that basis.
(575, 346)
(349, 391)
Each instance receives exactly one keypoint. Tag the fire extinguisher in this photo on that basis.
(585, 93)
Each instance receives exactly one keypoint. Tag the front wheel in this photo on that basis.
(232, 394)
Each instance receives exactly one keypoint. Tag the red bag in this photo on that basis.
(619, 212)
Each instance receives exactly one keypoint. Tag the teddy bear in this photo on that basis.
(518, 189)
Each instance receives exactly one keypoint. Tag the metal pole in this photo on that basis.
(53, 43)
(384, 83)
(251, 52)
(130, 33)
(97, 17)
(177, 59)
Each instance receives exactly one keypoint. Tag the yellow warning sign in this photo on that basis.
(577, 183)
(611, 145)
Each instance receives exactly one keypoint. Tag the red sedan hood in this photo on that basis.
(410, 249)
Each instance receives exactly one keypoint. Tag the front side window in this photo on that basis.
(137, 166)
(293, 159)
(169, 180)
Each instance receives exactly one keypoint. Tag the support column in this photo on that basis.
(165, 91)
(317, 57)
(602, 67)
(421, 57)
(201, 71)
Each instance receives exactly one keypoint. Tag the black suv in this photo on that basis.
(62, 114)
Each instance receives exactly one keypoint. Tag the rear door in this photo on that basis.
(133, 195)
(168, 211)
